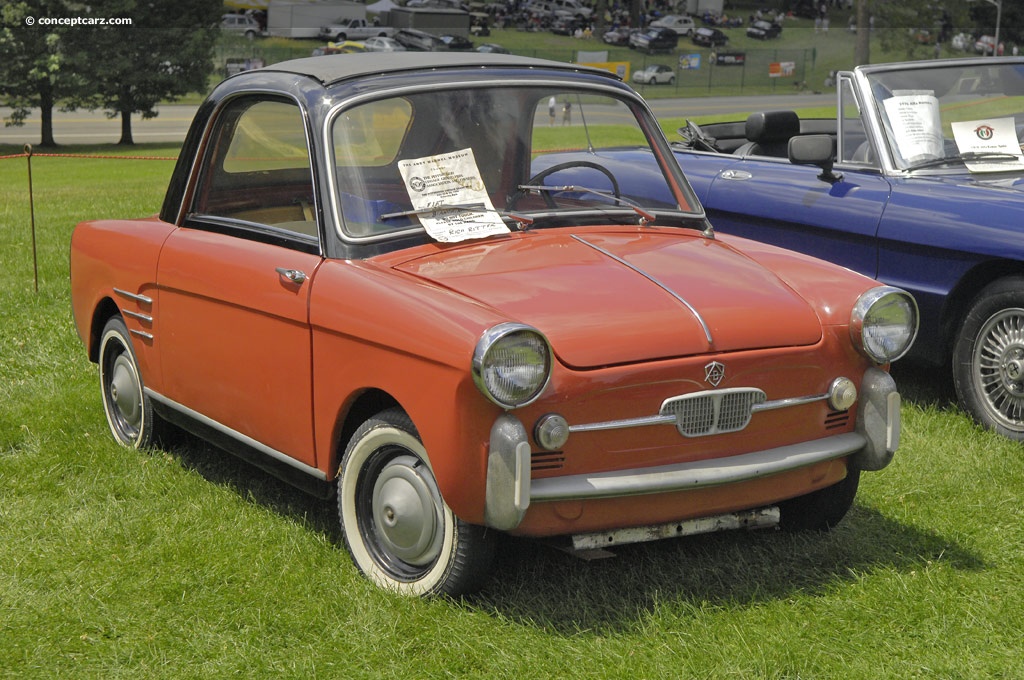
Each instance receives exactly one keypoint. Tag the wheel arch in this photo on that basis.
(355, 412)
(966, 290)
(105, 309)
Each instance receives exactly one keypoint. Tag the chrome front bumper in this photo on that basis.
(510, 489)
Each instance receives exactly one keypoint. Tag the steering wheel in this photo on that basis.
(696, 138)
(549, 199)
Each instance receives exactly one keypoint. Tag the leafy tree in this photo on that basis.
(164, 53)
(31, 62)
(908, 20)
(1011, 25)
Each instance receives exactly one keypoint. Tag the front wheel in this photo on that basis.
(398, 529)
(128, 410)
(988, 358)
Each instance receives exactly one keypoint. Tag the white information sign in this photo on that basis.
(916, 124)
(996, 136)
(451, 179)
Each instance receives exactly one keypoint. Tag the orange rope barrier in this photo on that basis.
(73, 155)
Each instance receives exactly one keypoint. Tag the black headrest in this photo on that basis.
(772, 126)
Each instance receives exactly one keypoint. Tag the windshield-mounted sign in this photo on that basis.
(916, 124)
(446, 180)
(993, 136)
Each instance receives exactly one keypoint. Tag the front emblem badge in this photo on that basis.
(714, 373)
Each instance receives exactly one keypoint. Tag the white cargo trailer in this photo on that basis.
(303, 18)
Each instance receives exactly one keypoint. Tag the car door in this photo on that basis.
(837, 219)
(235, 281)
(774, 201)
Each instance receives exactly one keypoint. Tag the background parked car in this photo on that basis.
(617, 36)
(456, 42)
(986, 45)
(654, 40)
(417, 40)
(764, 30)
(240, 24)
(943, 218)
(383, 45)
(491, 48)
(655, 73)
(709, 37)
(343, 47)
(681, 24)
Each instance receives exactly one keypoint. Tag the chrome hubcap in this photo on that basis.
(999, 367)
(125, 394)
(406, 513)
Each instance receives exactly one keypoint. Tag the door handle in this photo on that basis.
(293, 275)
(735, 174)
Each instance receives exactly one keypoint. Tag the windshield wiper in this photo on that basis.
(968, 157)
(645, 217)
(522, 220)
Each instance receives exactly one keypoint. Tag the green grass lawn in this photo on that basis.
(186, 563)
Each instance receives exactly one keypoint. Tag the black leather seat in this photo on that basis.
(768, 133)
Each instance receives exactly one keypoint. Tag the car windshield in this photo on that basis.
(476, 161)
(954, 115)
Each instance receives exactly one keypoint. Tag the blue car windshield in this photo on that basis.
(963, 113)
(510, 152)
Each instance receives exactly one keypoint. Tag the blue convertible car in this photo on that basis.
(918, 182)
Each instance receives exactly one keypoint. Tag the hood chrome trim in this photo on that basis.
(659, 284)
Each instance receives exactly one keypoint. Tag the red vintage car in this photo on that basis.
(391, 278)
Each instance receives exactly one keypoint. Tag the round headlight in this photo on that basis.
(884, 323)
(511, 364)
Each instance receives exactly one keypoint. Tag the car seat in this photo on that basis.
(768, 133)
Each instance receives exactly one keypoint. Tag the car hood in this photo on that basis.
(607, 298)
(1002, 182)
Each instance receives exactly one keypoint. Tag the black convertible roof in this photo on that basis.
(332, 68)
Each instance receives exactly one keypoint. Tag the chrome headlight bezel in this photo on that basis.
(492, 368)
(884, 323)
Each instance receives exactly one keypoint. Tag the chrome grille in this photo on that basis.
(713, 412)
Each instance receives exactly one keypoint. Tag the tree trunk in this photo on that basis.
(46, 112)
(862, 45)
(635, 12)
(126, 129)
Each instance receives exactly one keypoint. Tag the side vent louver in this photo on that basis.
(836, 420)
(547, 460)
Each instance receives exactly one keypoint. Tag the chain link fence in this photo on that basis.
(756, 71)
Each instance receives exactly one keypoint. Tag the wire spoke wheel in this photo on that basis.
(998, 363)
(988, 358)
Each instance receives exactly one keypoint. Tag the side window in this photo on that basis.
(257, 167)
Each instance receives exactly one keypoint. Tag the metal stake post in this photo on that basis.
(32, 217)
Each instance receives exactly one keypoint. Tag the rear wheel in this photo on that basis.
(398, 529)
(128, 410)
(988, 358)
(823, 509)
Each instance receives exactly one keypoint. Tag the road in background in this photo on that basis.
(93, 127)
